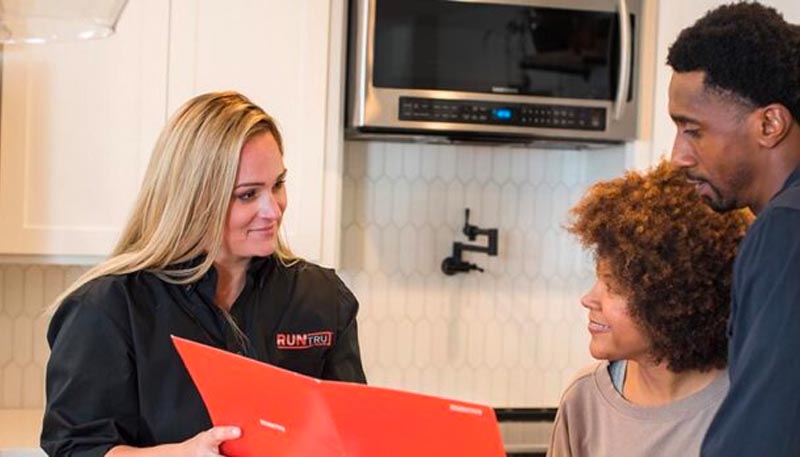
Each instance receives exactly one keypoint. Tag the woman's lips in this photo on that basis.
(597, 327)
(262, 231)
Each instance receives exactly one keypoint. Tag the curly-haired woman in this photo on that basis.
(657, 319)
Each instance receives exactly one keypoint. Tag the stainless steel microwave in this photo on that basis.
(509, 70)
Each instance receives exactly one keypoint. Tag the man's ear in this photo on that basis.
(774, 123)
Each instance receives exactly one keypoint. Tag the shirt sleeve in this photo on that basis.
(761, 413)
(343, 361)
(91, 376)
(559, 440)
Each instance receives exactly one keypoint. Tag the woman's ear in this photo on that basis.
(774, 122)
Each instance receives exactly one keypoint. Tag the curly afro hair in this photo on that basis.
(671, 256)
(744, 49)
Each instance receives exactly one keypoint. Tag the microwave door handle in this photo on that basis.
(363, 61)
(624, 59)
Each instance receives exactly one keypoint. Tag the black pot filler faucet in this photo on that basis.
(455, 264)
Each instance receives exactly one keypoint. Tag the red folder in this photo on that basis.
(282, 413)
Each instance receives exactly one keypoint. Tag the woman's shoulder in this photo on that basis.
(584, 383)
(578, 400)
(101, 291)
(99, 303)
(109, 295)
(303, 267)
(309, 272)
(318, 280)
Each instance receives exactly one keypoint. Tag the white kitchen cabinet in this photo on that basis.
(78, 122)
(79, 119)
(281, 55)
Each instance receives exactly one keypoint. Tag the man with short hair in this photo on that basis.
(735, 98)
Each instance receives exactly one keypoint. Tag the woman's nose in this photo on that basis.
(268, 207)
(589, 301)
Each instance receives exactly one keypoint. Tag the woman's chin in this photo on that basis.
(600, 353)
(263, 249)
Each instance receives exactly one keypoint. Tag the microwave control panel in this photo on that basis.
(493, 113)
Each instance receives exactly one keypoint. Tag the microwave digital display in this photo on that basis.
(496, 48)
(501, 114)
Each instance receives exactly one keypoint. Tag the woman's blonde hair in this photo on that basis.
(181, 209)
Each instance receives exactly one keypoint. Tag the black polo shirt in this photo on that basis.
(761, 414)
(115, 378)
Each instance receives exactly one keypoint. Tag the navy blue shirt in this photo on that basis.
(761, 414)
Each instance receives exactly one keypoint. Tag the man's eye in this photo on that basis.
(694, 133)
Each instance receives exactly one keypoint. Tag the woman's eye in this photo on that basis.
(245, 196)
(279, 185)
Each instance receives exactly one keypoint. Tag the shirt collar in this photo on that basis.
(258, 270)
(792, 181)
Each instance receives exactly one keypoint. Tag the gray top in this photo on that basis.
(595, 420)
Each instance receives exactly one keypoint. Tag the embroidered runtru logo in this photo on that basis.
(304, 340)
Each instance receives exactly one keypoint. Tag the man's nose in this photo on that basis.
(682, 156)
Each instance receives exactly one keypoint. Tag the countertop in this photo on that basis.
(526, 438)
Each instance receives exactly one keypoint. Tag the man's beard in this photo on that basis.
(720, 204)
(717, 201)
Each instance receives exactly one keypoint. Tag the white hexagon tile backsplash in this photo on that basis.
(511, 336)
(25, 293)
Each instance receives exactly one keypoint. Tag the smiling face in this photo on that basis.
(615, 334)
(713, 143)
(257, 203)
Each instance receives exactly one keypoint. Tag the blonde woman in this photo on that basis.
(200, 258)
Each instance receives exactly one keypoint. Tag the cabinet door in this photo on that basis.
(79, 120)
(275, 52)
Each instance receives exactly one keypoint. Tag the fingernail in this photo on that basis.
(236, 432)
